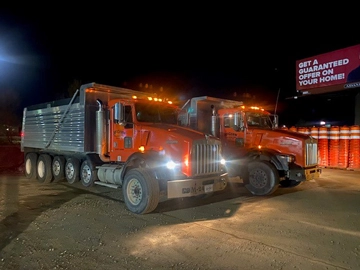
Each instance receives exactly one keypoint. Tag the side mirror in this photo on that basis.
(238, 122)
(275, 123)
(119, 115)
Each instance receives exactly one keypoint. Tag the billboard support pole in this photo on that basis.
(277, 100)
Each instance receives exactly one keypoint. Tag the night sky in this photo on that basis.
(186, 51)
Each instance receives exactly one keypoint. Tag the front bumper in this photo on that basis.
(194, 187)
(305, 174)
(311, 174)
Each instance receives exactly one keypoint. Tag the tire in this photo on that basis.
(87, 174)
(43, 169)
(30, 165)
(141, 191)
(263, 178)
(58, 168)
(289, 183)
(72, 170)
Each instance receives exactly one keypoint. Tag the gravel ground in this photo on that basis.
(60, 226)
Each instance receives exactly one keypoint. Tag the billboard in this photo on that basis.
(328, 72)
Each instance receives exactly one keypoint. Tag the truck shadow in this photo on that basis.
(21, 211)
(233, 191)
(18, 212)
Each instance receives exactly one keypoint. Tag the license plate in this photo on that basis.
(208, 188)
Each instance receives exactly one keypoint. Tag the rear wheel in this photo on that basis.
(30, 165)
(43, 169)
(72, 168)
(58, 168)
(263, 178)
(87, 174)
(141, 191)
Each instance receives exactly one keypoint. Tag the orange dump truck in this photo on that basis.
(121, 138)
(261, 154)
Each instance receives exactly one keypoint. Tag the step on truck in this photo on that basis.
(121, 138)
(256, 150)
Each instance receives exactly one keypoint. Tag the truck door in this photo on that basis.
(255, 122)
(122, 139)
(232, 134)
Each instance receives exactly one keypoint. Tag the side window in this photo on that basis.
(128, 117)
(227, 122)
(234, 121)
(168, 116)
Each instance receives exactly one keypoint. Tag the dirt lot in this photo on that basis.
(60, 226)
(11, 157)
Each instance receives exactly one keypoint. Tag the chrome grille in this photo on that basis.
(206, 157)
(311, 154)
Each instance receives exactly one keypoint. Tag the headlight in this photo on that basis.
(170, 164)
(222, 161)
(288, 159)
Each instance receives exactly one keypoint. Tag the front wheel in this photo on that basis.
(263, 178)
(141, 191)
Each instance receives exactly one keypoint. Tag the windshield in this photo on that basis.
(259, 120)
(156, 113)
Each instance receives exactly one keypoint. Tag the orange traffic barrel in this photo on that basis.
(334, 137)
(304, 130)
(314, 132)
(354, 148)
(344, 142)
(323, 146)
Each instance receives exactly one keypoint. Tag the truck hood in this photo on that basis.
(272, 137)
(295, 135)
(179, 143)
(282, 141)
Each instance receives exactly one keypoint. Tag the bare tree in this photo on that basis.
(73, 86)
(9, 120)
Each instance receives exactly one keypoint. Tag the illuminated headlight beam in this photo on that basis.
(171, 165)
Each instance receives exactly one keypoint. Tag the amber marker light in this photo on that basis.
(186, 167)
